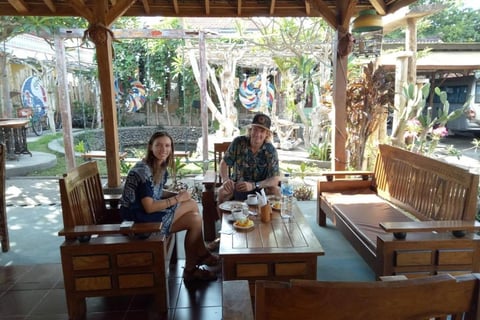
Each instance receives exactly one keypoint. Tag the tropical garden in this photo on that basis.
(282, 67)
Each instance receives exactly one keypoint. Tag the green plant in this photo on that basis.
(80, 147)
(323, 150)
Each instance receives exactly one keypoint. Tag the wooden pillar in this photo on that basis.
(339, 131)
(64, 102)
(411, 45)
(203, 99)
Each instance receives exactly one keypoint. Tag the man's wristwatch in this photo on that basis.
(257, 185)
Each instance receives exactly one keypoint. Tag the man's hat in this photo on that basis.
(262, 120)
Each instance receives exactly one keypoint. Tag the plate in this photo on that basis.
(276, 205)
(250, 225)
(228, 205)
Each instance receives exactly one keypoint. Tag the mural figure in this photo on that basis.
(250, 93)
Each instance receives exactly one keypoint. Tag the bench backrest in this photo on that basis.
(420, 298)
(429, 188)
(82, 196)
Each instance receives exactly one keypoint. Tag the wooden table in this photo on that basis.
(277, 250)
(13, 132)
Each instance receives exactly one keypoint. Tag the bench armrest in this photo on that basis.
(457, 227)
(333, 175)
(106, 229)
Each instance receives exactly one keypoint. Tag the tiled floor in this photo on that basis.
(31, 280)
(36, 292)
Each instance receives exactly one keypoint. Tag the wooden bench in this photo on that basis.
(435, 297)
(99, 257)
(412, 215)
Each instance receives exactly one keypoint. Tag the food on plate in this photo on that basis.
(277, 205)
(246, 223)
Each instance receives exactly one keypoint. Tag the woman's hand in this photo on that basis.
(182, 196)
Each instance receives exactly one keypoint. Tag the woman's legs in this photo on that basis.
(188, 218)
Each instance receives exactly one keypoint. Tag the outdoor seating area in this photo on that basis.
(39, 268)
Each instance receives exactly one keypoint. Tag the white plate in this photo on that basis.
(250, 226)
(228, 205)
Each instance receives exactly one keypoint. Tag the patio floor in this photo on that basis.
(31, 280)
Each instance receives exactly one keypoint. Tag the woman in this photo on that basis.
(142, 201)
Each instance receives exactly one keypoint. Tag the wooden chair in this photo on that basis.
(421, 298)
(99, 257)
(211, 181)
(3, 211)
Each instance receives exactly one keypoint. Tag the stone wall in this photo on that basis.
(185, 138)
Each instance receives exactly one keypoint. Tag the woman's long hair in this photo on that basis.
(151, 160)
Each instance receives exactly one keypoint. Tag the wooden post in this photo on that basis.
(203, 98)
(64, 102)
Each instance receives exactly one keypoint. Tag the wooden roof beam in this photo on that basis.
(398, 5)
(19, 5)
(118, 10)
(82, 10)
(272, 7)
(207, 7)
(50, 5)
(146, 6)
(175, 6)
(379, 6)
(308, 9)
(325, 11)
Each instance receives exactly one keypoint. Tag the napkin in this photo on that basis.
(262, 198)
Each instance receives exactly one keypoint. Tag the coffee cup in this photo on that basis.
(238, 214)
(252, 199)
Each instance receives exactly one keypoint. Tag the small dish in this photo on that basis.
(251, 203)
(250, 224)
(276, 205)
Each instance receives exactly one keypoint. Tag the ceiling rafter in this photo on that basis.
(379, 6)
(272, 7)
(207, 7)
(176, 8)
(118, 10)
(326, 12)
(80, 7)
(146, 6)
(19, 5)
(50, 5)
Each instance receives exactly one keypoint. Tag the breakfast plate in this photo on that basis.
(276, 205)
(229, 205)
(244, 226)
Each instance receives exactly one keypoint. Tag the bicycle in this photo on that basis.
(37, 116)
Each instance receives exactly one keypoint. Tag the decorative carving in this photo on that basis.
(98, 33)
(345, 45)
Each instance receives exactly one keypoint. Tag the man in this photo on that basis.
(250, 163)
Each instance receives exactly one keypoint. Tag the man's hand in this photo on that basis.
(244, 186)
(229, 186)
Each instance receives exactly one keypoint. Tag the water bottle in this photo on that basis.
(287, 197)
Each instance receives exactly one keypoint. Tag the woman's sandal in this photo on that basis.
(199, 274)
(209, 259)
